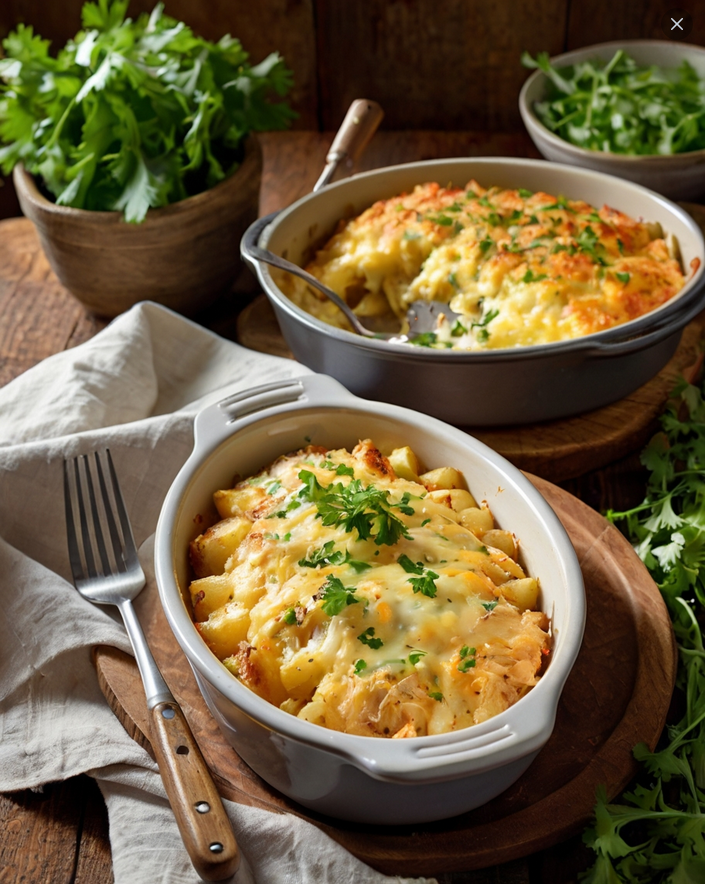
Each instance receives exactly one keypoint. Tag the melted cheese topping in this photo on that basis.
(521, 268)
(361, 601)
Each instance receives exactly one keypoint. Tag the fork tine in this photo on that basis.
(120, 551)
(97, 528)
(83, 522)
(74, 552)
(130, 547)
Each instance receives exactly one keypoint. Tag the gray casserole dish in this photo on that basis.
(367, 779)
(498, 387)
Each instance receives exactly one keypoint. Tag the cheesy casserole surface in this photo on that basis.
(521, 268)
(364, 595)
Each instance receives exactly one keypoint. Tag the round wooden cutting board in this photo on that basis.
(616, 696)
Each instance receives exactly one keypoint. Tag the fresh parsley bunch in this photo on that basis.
(656, 833)
(622, 107)
(133, 114)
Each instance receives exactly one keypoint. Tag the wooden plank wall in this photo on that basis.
(432, 64)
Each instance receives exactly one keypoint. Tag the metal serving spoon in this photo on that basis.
(358, 127)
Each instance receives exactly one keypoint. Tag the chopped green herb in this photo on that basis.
(489, 606)
(458, 329)
(530, 276)
(623, 277)
(485, 244)
(415, 656)
(359, 666)
(323, 556)
(524, 193)
(290, 616)
(367, 511)
(336, 597)
(453, 280)
(435, 695)
(466, 663)
(274, 487)
(425, 522)
(367, 638)
(424, 583)
(623, 107)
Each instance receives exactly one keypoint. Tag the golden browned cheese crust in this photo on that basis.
(521, 268)
(364, 594)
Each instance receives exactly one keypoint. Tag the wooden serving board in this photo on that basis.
(616, 696)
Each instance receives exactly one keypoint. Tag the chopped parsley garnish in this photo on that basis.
(425, 522)
(524, 193)
(467, 658)
(530, 276)
(453, 280)
(623, 277)
(588, 242)
(482, 333)
(486, 244)
(368, 511)
(274, 487)
(359, 666)
(415, 656)
(435, 695)
(336, 597)
(324, 555)
(292, 617)
(458, 329)
(489, 606)
(367, 638)
(424, 583)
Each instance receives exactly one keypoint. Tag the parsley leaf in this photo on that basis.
(336, 597)
(424, 583)
(133, 113)
(367, 638)
(324, 555)
(366, 510)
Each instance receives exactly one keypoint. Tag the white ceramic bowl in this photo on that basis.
(358, 778)
(679, 177)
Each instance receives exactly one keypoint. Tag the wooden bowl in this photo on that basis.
(182, 255)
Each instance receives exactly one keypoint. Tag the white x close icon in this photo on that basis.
(676, 24)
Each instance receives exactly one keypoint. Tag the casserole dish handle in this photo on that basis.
(216, 423)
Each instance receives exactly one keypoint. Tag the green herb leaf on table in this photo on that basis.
(133, 114)
(656, 831)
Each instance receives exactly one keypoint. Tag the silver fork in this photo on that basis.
(108, 572)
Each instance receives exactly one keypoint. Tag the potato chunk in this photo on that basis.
(405, 464)
(210, 551)
(523, 593)
(477, 519)
(503, 540)
(225, 629)
(456, 498)
(210, 593)
(443, 477)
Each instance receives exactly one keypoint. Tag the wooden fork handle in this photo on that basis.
(200, 815)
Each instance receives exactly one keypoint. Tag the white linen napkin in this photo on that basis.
(135, 388)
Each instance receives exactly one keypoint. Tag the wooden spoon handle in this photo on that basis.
(200, 815)
(358, 127)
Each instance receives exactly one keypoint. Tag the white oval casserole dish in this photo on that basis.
(366, 779)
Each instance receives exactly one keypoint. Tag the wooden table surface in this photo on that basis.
(61, 834)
